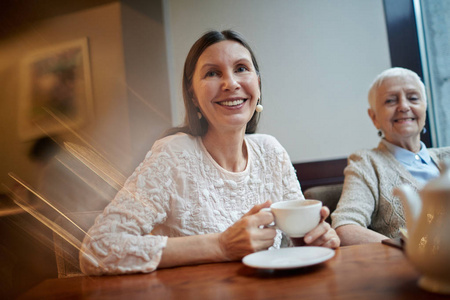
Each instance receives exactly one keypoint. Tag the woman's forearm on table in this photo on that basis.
(355, 234)
(190, 250)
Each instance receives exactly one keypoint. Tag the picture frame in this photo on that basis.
(55, 90)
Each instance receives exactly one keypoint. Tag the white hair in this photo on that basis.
(389, 73)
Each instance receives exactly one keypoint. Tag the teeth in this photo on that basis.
(232, 103)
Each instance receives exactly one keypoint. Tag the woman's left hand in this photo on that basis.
(323, 235)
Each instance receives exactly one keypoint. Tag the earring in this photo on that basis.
(259, 107)
(380, 133)
(199, 115)
(424, 130)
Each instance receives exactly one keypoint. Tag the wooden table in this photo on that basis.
(371, 271)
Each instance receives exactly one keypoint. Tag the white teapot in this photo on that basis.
(428, 225)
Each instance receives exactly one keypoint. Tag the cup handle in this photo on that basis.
(271, 225)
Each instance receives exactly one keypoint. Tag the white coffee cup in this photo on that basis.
(297, 217)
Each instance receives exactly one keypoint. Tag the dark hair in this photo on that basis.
(192, 124)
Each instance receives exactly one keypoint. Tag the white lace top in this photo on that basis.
(179, 190)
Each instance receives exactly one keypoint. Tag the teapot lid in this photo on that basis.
(442, 182)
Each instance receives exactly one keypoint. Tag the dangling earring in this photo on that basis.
(424, 130)
(380, 133)
(199, 115)
(259, 107)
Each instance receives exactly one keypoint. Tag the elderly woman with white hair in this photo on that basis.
(367, 210)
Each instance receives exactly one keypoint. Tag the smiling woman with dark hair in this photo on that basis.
(367, 210)
(197, 196)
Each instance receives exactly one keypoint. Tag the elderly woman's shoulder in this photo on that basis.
(367, 161)
(442, 152)
(366, 155)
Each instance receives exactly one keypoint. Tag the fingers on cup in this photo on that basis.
(265, 217)
(258, 207)
(329, 239)
(318, 235)
(332, 242)
(324, 213)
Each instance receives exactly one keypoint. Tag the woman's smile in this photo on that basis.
(232, 103)
(404, 120)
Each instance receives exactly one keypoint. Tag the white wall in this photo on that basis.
(317, 59)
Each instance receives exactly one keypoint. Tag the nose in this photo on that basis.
(403, 104)
(229, 82)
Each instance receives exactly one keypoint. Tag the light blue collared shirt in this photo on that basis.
(420, 164)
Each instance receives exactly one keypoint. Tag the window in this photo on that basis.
(433, 28)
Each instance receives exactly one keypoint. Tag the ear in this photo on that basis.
(373, 117)
(195, 102)
(193, 98)
(259, 85)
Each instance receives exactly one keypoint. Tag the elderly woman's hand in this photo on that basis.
(323, 235)
(248, 235)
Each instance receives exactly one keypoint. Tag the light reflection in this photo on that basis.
(52, 225)
(101, 172)
(30, 210)
(70, 187)
(430, 218)
(435, 250)
(423, 242)
(97, 164)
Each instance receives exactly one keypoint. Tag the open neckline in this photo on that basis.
(219, 167)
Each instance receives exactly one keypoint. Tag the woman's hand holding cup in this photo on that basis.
(246, 235)
(303, 221)
(322, 235)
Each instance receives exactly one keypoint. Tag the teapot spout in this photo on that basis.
(411, 203)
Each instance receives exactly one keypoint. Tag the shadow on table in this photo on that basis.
(277, 273)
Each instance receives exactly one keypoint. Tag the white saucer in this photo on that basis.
(288, 258)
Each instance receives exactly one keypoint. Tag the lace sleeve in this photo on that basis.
(121, 239)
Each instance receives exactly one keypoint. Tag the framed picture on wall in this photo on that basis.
(55, 90)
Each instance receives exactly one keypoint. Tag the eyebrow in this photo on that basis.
(207, 66)
(238, 61)
(408, 91)
(413, 91)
